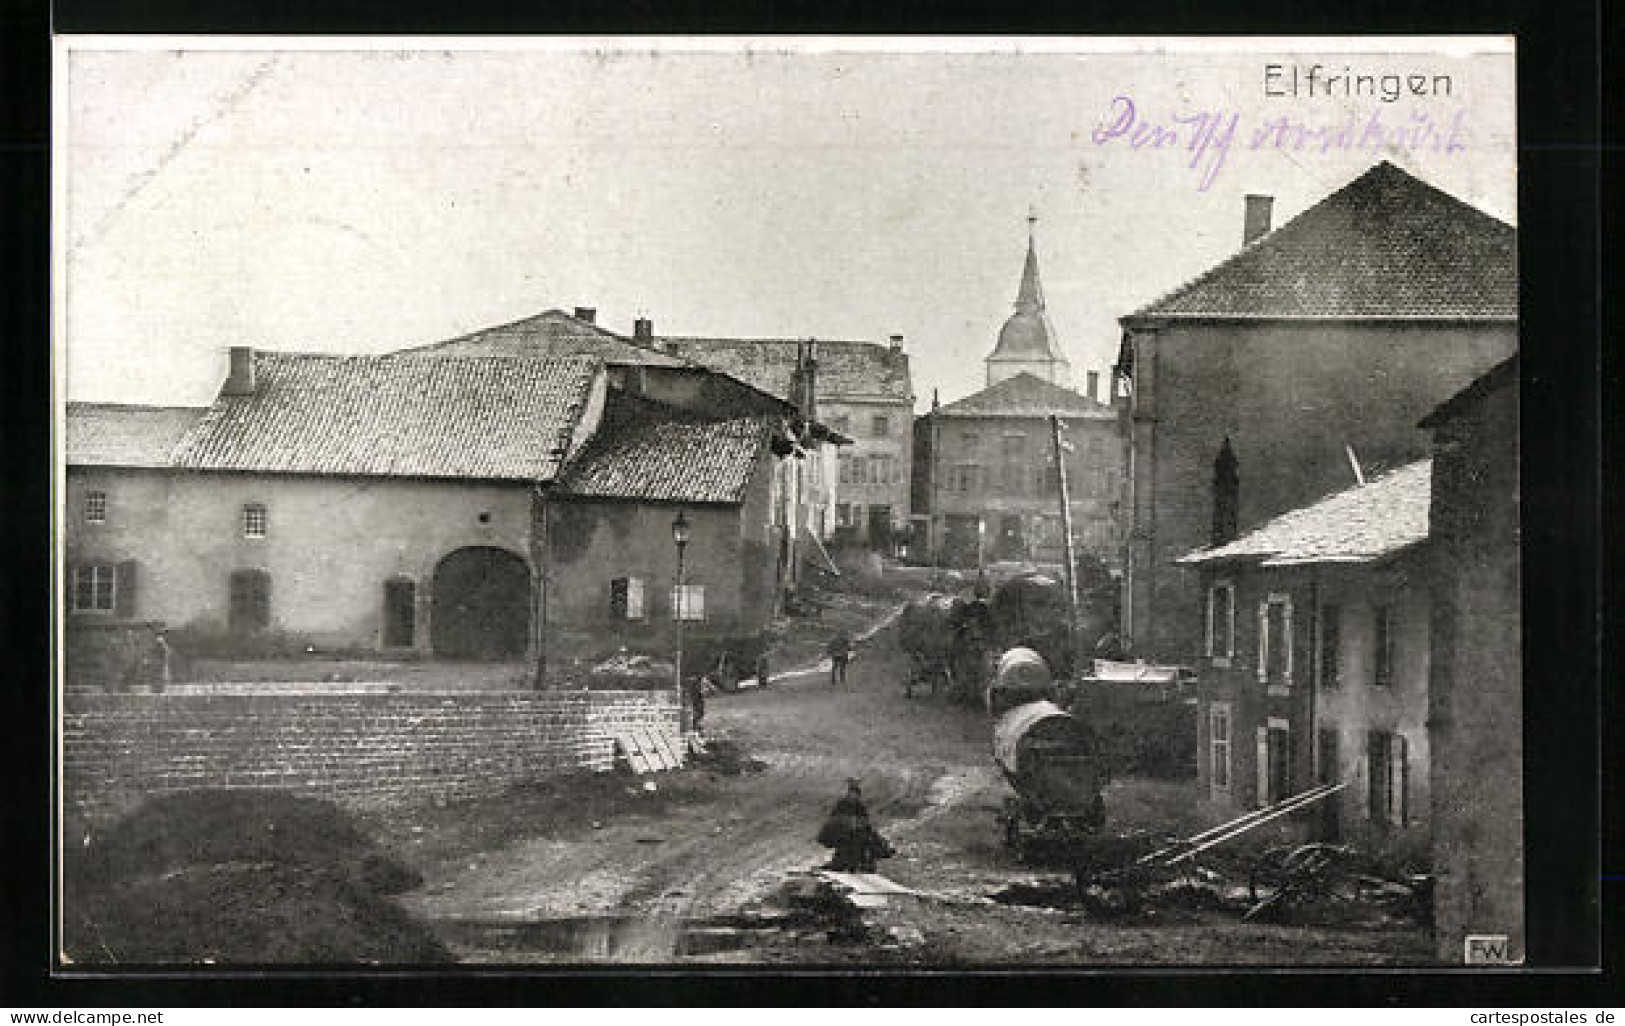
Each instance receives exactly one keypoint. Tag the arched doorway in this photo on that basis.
(481, 605)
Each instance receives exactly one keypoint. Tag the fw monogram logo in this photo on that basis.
(1489, 949)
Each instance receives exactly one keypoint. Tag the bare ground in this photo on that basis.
(629, 869)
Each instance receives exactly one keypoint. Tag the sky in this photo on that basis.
(356, 201)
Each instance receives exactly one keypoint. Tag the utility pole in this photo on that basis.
(1066, 535)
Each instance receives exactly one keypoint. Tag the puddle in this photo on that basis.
(630, 938)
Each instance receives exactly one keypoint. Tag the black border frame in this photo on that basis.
(1565, 369)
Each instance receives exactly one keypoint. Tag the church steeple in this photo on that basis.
(1027, 343)
(1030, 297)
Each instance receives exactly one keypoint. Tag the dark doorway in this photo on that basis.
(400, 614)
(1331, 818)
(960, 539)
(250, 601)
(880, 528)
(481, 605)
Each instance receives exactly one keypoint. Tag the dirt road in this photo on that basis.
(610, 870)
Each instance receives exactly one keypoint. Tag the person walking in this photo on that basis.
(764, 669)
(839, 650)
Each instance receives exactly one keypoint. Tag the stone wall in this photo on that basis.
(362, 748)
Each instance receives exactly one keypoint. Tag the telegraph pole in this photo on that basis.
(1066, 535)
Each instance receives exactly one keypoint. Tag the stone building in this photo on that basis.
(1475, 710)
(1320, 342)
(990, 485)
(863, 392)
(1315, 664)
(470, 507)
(986, 482)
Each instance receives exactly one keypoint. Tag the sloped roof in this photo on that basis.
(552, 333)
(114, 435)
(1026, 395)
(1387, 245)
(1502, 374)
(846, 368)
(646, 451)
(1359, 525)
(482, 418)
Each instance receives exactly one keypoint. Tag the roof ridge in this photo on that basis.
(1383, 169)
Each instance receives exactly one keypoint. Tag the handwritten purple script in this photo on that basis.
(1209, 135)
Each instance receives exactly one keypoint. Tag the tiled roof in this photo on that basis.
(550, 334)
(1364, 523)
(459, 417)
(1025, 395)
(1387, 245)
(111, 435)
(846, 369)
(654, 453)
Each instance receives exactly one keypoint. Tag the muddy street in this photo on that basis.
(705, 864)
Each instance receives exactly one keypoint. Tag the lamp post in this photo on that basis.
(679, 536)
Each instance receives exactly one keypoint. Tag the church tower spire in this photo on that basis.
(1028, 343)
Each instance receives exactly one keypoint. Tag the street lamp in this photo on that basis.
(679, 536)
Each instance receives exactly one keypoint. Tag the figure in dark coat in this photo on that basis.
(847, 830)
(839, 650)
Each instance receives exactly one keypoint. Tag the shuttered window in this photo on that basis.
(626, 598)
(1331, 642)
(1218, 727)
(1221, 622)
(1382, 656)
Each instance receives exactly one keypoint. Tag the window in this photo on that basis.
(95, 507)
(1274, 761)
(95, 588)
(626, 598)
(844, 460)
(1331, 642)
(1275, 641)
(400, 613)
(250, 609)
(1013, 478)
(688, 602)
(1015, 446)
(1221, 623)
(971, 440)
(254, 520)
(880, 425)
(882, 467)
(1388, 779)
(1218, 732)
(1382, 639)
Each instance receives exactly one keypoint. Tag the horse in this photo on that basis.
(946, 638)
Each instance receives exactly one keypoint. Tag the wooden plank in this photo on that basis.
(632, 752)
(670, 747)
(651, 751)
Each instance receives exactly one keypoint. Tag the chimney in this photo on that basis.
(936, 404)
(587, 313)
(1257, 219)
(896, 343)
(240, 381)
(1094, 385)
(807, 368)
(643, 330)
